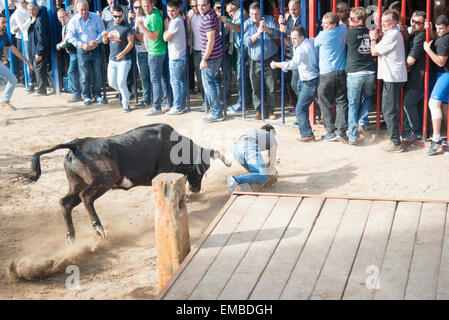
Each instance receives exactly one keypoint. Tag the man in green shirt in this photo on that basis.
(153, 29)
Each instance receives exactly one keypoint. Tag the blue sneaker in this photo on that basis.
(330, 137)
(87, 101)
(213, 118)
(100, 100)
(235, 108)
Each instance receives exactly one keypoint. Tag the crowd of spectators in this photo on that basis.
(337, 68)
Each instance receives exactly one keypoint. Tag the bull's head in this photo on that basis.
(195, 176)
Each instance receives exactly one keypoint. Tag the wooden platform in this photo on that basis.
(270, 246)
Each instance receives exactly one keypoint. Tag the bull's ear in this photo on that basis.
(215, 154)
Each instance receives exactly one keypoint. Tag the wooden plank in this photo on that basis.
(218, 237)
(396, 264)
(366, 269)
(311, 261)
(333, 278)
(423, 277)
(278, 270)
(247, 273)
(231, 255)
(443, 279)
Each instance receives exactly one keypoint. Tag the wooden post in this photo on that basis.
(171, 222)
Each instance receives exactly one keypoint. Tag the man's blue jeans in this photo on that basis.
(361, 88)
(247, 82)
(178, 82)
(74, 75)
(11, 79)
(156, 65)
(307, 94)
(211, 83)
(413, 118)
(90, 71)
(247, 154)
(117, 75)
(144, 72)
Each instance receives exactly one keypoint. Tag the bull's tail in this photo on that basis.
(35, 172)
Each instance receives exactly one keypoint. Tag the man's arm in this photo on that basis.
(373, 36)
(209, 47)
(232, 26)
(127, 49)
(169, 33)
(152, 35)
(18, 54)
(439, 60)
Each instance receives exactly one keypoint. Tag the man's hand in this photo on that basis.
(166, 23)
(85, 47)
(120, 56)
(222, 19)
(104, 34)
(30, 65)
(203, 65)
(92, 43)
(38, 58)
(15, 29)
(273, 65)
(58, 47)
(428, 25)
(427, 45)
(374, 34)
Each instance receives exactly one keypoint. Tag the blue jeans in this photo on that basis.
(413, 118)
(90, 71)
(361, 88)
(211, 83)
(307, 94)
(144, 72)
(247, 154)
(117, 75)
(11, 79)
(156, 65)
(178, 82)
(247, 82)
(295, 82)
(74, 75)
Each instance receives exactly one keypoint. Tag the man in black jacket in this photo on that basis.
(39, 45)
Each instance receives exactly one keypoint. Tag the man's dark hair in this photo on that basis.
(419, 13)
(2, 15)
(118, 9)
(394, 14)
(268, 127)
(254, 5)
(173, 4)
(300, 29)
(443, 19)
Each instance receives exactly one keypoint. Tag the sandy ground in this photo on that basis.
(124, 265)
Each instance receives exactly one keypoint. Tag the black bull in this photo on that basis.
(95, 165)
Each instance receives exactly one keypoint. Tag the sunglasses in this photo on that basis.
(117, 17)
(137, 8)
(217, 7)
(417, 22)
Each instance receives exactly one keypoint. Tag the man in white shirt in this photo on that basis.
(392, 70)
(193, 25)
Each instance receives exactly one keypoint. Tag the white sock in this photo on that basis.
(436, 137)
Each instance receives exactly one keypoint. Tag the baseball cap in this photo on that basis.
(342, 6)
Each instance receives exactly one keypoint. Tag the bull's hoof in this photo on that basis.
(101, 233)
(70, 238)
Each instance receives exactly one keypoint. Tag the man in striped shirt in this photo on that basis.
(211, 54)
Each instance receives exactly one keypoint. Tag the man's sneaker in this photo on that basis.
(352, 142)
(410, 137)
(393, 148)
(174, 111)
(232, 184)
(342, 138)
(40, 94)
(30, 89)
(100, 100)
(213, 119)
(330, 137)
(363, 130)
(146, 103)
(434, 147)
(74, 99)
(235, 108)
(204, 108)
(87, 101)
(306, 139)
(126, 109)
(139, 105)
(153, 111)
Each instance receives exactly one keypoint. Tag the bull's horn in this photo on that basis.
(217, 154)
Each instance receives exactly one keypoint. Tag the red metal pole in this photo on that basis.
(379, 97)
(334, 5)
(312, 34)
(401, 111)
(356, 3)
(426, 75)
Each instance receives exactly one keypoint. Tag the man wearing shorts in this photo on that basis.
(439, 98)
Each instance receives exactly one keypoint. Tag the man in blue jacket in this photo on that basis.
(39, 45)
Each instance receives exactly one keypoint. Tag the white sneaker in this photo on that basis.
(174, 111)
(152, 111)
(232, 184)
(245, 187)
